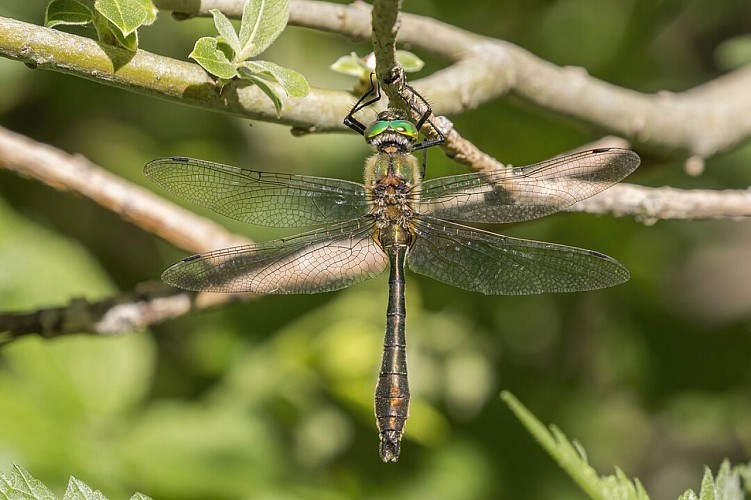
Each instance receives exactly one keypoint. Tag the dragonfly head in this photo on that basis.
(391, 130)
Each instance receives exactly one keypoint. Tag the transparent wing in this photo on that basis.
(313, 262)
(262, 198)
(524, 193)
(493, 264)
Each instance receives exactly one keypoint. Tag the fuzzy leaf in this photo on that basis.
(262, 84)
(22, 485)
(351, 65)
(126, 15)
(734, 52)
(727, 486)
(409, 61)
(262, 22)
(67, 12)
(151, 11)
(293, 83)
(140, 496)
(78, 490)
(572, 458)
(212, 59)
(116, 37)
(226, 30)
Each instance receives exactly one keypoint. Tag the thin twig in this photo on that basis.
(648, 205)
(149, 304)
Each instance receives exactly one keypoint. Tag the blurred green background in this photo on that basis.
(273, 398)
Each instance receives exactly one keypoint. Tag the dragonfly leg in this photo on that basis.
(422, 108)
(364, 101)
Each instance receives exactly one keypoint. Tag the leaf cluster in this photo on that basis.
(116, 21)
(229, 55)
(19, 484)
(571, 456)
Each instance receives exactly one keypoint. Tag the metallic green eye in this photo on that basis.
(376, 128)
(404, 127)
(401, 127)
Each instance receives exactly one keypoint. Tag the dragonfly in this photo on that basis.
(392, 220)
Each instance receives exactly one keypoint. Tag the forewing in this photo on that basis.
(262, 198)
(493, 264)
(524, 193)
(313, 262)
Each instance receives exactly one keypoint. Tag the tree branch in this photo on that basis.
(133, 203)
(149, 304)
(484, 68)
(157, 76)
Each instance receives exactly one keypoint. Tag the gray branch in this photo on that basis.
(701, 122)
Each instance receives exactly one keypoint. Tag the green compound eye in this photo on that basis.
(404, 127)
(376, 128)
(401, 127)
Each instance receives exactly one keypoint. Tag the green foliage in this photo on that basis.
(571, 456)
(19, 484)
(729, 484)
(362, 67)
(734, 52)
(116, 21)
(227, 55)
(573, 459)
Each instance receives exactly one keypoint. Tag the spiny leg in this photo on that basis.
(362, 103)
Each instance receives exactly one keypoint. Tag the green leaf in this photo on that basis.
(351, 65)
(129, 41)
(213, 59)
(226, 30)
(734, 52)
(262, 22)
(293, 83)
(361, 67)
(151, 11)
(246, 74)
(409, 61)
(67, 12)
(727, 486)
(78, 490)
(20, 484)
(126, 15)
(571, 457)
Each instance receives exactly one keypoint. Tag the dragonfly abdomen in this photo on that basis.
(392, 390)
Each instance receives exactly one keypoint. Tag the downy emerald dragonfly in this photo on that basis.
(395, 218)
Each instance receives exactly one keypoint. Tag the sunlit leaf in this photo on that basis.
(409, 61)
(213, 59)
(129, 41)
(78, 490)
(351, 65)
(67, 12)
(734, 52)
(151, 11)
(246, 74)
(20, 484)
(126, 15)
(226, 30)
(571, 457)
(293, 83)
(262, 22)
